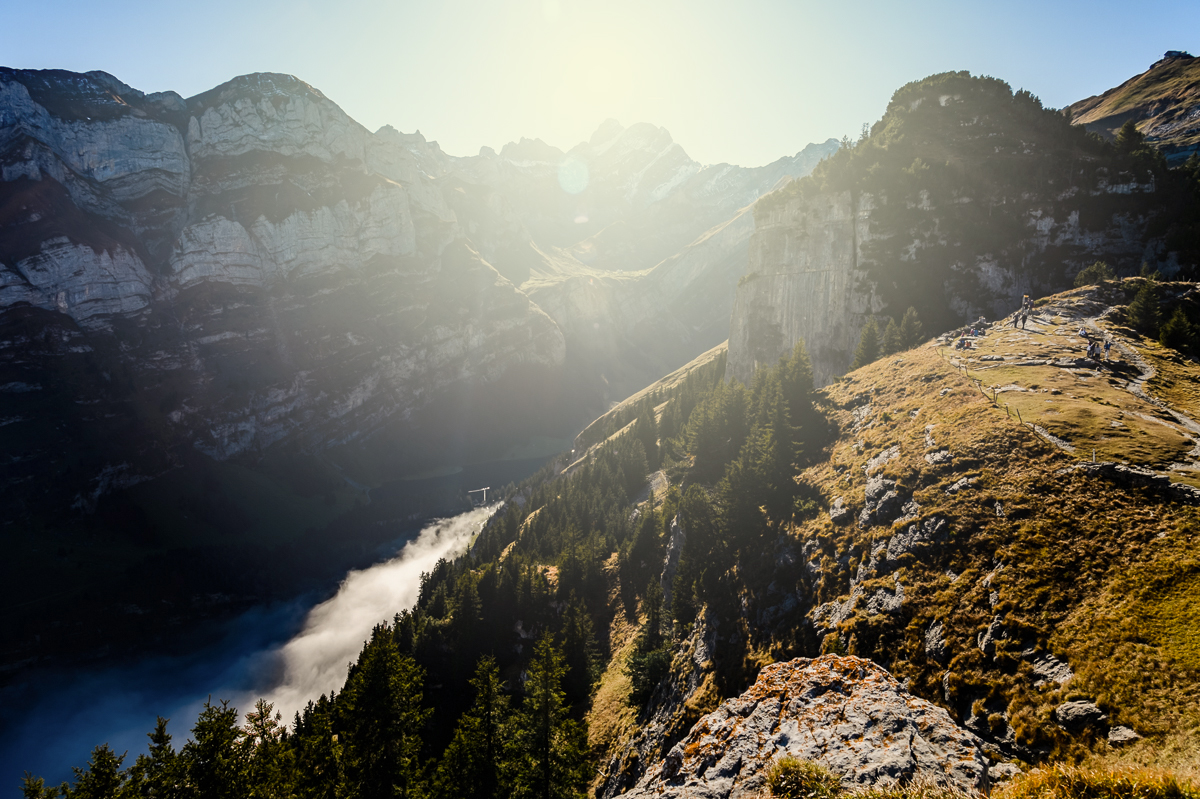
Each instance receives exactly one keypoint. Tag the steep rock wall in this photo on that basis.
(254, 264)
(803, 282)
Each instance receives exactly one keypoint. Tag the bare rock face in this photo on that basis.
(803, 282)
(243, 268)
(866, 241)
(845, 713)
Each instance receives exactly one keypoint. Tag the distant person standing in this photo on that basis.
(1107, 347)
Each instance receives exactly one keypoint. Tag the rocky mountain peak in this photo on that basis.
(255, 86)
(608, 130)
(75, 96)
(531, 151)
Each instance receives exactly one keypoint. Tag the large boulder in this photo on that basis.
(845, 713)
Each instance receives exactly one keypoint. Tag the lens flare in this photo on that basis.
(573, 175)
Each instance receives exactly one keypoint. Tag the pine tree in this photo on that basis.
(1177, 332)
(473, 763)
(893, 341)
(155, 775)
(1129, 138)
(579, 649)
(701, 558)
(910, 328)
(381, 711)
(35, 788)
(214, 761)
(1144, 312)
(270, 771)
(868, 345)
(102, 779)
(551, 748)
(320, 751)
(645, 429)
(1095, 274)
(651, 659)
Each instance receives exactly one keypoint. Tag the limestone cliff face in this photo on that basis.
(964, 197)
(803, 281)
(256, 266)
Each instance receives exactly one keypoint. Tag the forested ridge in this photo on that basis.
(481, 689)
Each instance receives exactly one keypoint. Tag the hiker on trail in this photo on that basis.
(1024, 319)
(1083, 334)
(1107, 347)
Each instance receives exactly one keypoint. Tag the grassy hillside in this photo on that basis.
(1160, 101)
(937, 511)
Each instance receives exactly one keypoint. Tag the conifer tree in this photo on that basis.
(893, 341)
(214, 760)
(910, 328)
(35, 788)
(579, 649)
(1144, 311)
(381, 711)
(156, 773)
(551, 748)
(473, 763)
(1176, 333)
(320, 751)
(652, 658)
(1093, 275)
(645, 430)
(1129, 138)
(701, 558)
(868, 345)
(102, 779)
(270, 771)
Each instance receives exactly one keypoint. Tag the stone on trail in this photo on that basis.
(845, 713)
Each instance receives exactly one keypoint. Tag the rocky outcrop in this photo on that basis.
(254, 265)
(803, 282)
(880, 230)
(845, 713)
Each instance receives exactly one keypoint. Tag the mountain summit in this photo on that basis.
(1161, 102)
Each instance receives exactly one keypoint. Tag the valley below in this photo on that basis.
(599, 472)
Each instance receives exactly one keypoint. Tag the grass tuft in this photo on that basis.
(1063, 781)
(792, 778)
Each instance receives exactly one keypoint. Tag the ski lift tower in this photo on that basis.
(485, 489)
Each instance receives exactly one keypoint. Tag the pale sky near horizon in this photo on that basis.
(744, 83)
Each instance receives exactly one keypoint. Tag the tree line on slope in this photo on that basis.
(481, 689)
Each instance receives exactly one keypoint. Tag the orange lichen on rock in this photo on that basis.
(846, 713)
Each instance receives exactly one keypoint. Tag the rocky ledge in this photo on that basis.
(845, 713)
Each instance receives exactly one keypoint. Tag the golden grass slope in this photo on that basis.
(1099, 571)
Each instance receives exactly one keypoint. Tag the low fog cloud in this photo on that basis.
(314, 662)
(62, 715)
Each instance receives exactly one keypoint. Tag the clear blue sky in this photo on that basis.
(744, 82)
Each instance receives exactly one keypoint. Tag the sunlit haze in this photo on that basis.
(744, 83)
